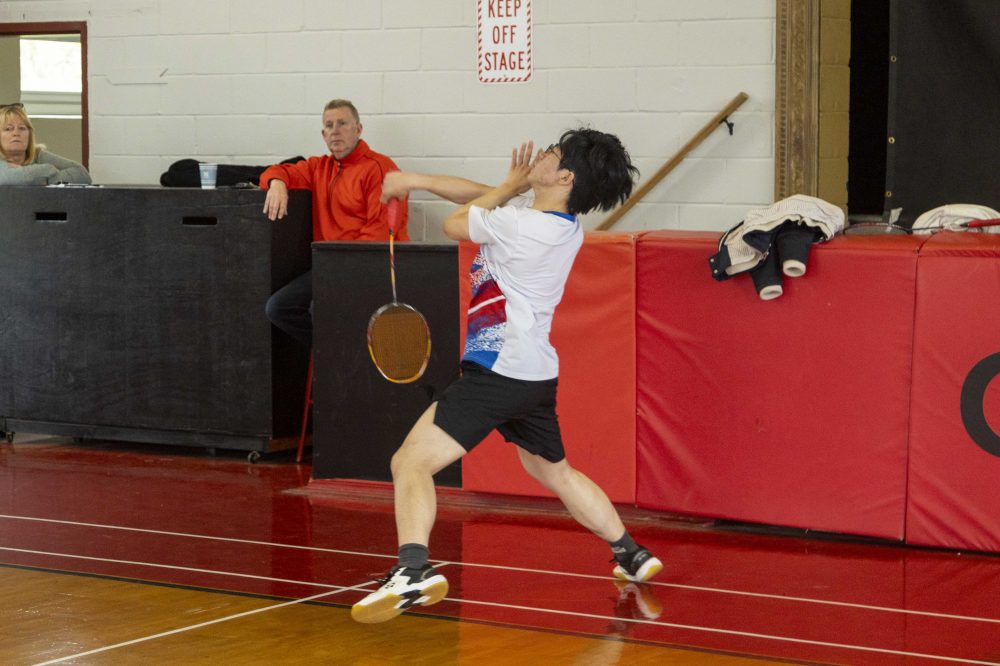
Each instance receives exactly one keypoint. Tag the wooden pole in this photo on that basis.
(710, 127)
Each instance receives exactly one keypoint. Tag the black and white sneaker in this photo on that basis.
(400, 590)
(638, 567)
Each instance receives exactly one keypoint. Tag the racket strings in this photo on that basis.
(399, 342)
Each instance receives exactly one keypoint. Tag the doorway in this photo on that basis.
(45, 68)
(869, 107)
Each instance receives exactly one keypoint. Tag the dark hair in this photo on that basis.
(602, 169)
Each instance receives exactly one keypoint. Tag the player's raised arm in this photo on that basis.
(456, 226)
(398, 184)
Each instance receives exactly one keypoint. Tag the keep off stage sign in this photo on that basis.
(504, 41)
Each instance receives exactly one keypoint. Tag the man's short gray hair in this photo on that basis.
(343, 104)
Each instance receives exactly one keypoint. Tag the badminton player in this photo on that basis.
(509, 368)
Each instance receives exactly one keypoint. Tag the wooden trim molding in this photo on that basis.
(796, 98)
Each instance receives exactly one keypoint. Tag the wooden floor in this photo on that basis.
(115, 553)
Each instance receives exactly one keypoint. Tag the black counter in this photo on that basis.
(138, 314)
(360, 418)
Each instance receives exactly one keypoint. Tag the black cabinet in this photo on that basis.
(360, 418)
(138, 314)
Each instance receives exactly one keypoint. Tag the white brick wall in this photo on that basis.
(244, 81)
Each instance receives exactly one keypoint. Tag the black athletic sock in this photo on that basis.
(624, 547)
(413, 555)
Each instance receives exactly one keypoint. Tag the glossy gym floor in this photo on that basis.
(125, 553)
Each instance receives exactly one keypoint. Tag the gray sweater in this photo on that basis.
(47, 168)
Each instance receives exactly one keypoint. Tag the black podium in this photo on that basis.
(360, 418)
(137, 314)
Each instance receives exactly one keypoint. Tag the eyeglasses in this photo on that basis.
(555, 149)
(12, 105)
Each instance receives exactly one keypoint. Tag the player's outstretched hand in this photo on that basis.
(520, 165)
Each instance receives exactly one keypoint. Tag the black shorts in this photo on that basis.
(524, 412)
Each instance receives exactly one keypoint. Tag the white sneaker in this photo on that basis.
(400, 590)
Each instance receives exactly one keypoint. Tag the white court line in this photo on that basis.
(195, 536)
(680, 586)
(189, 628)
(733, 632)
(335, 588)
(338, 589)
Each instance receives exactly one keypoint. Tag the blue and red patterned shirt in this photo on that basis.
(518, 278)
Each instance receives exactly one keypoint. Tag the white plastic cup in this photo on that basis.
(208, 172)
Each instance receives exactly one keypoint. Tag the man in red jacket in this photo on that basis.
(346, 186)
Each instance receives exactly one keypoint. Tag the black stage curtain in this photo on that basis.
(944, 105)
(869, 101)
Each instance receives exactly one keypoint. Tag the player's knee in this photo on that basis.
(549, 474)
(407, 459)
(399, 461)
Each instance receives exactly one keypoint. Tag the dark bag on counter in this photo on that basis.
(184, 173)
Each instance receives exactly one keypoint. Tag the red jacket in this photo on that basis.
(345, 194)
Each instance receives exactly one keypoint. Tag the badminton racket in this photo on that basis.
(399, 339)
(971, 224)
(875, 228)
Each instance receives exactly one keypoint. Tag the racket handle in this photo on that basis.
(976, 224)
(392, 207)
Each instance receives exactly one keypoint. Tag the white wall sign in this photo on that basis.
(504, 41)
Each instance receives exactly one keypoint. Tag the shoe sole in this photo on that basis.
(650, 568)
(392, 605)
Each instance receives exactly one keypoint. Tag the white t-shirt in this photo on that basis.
(518, 276)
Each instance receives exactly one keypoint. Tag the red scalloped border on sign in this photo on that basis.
(483, 76)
